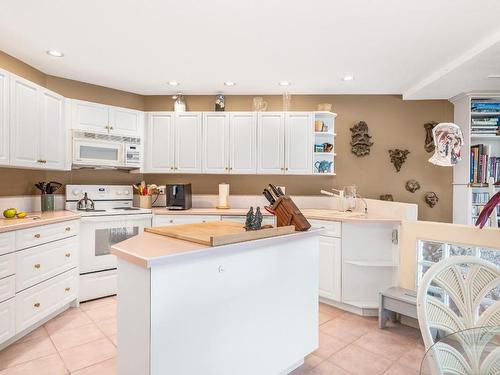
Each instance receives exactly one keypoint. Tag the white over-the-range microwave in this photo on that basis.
(100, 150)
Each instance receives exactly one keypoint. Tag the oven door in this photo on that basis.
(98, 153)
(99, 233)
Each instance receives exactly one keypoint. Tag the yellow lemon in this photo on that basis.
(20, 215)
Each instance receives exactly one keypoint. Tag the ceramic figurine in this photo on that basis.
(387, 197)
(257, 221)
(180, 103)
(429, 141)
(249, 219)
(448, 140)
(360, 139)
(219, 103)
(412, 186)
(431, 199)
(398, 157)
(323, 166)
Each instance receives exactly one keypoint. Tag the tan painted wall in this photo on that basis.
(412, 231)
(393, 123)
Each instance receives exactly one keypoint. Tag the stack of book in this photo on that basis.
(485, 107)
(483, 165)
(485, 125)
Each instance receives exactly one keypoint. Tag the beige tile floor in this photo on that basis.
(82, 341)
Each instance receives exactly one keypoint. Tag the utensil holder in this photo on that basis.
(287, 213)
(47, 202)
(145, 201)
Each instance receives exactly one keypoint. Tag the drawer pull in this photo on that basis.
(37, 266)
(37, 305)
(67, 229)
(67, 255)
(37, 235)
(67, 289)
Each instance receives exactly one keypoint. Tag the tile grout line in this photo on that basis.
(57, 350)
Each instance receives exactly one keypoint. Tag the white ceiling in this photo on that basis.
(419, 48)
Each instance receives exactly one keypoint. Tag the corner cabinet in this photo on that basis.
(37, 126)
(4, 118)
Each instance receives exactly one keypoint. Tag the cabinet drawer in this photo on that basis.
(46, 233)
(42, 262)
(7, 287)
(160, 220)
(7, 319)
(7, 265)
(36, 303)
(332, 228)
(7, 242)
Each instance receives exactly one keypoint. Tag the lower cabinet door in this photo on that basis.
(330, 268)
(39, 301)
(7, 319)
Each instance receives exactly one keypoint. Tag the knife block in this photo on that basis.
(287, 213)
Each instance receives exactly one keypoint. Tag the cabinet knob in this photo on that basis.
(37, 235)
(111, 128)
(67, 229)
(171, 220)
(286, 169)
(37, 266)
(67, 255)
(227, 168)
(36, 304)
(67, 289)
(172, 168)
(282, 169)
(221, 269)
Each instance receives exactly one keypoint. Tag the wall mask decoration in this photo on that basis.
(431, 199)
(448, 140)
(220, 105)
(412, 186)
(429, 140)
(387, 197)
(360, 139)
(398, 157)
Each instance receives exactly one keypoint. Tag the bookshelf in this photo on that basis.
(478, 115)
(324, 135)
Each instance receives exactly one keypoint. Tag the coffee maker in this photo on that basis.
(179, 196)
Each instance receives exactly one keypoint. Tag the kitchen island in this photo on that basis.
(245, 308)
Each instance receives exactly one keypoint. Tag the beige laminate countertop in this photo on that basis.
(35, 219)
(309, 213)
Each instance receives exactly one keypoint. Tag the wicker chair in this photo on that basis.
(466, 281)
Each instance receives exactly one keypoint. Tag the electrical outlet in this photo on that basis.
(161, 189)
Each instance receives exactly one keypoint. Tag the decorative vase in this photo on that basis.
(47, 202)
(180, 103)
(220, 106)
(287, 101)
(145, 201)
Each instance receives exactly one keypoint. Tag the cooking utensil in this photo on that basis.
(52, 187)
(280, 191)
(275, 191)
(268, 196)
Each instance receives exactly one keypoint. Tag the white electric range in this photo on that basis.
(107, 217)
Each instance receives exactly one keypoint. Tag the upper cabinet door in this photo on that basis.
(4, 117)
(53, 130)
(215, 143)
(243, 145)
(125, 121)
(90, 116)
(270, 143)
(159, 143)
(24, 123)
(299, 131)
(188, 142)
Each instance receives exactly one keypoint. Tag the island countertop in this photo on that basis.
(149, 249)
(309, 213)
(35, 219)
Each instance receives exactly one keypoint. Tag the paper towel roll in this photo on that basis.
(223, 196)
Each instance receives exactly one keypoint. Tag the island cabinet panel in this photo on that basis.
(330, 266)
(229, 309)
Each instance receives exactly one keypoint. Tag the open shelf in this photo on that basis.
(325, 153)
(486, 114)
(485, 137)
(373, 263)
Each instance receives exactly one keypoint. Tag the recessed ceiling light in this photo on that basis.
(173, 83)
(229, 83)
(284, 83)
(494, 76)
(347, 78)
(54, 53)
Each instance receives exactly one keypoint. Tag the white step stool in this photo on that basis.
(394, 301)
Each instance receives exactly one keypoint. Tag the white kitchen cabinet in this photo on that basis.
(37, 126)
(215, 154)
(330, 266)
(270, 142)
(188, 142)
(299, 130)
(24, 123)
(106, 119)
(7, 319)
(160, 142)
(163, 220)
(242, 143)
(4, 117)
(53, 130)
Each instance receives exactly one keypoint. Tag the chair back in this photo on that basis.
(450, 299)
